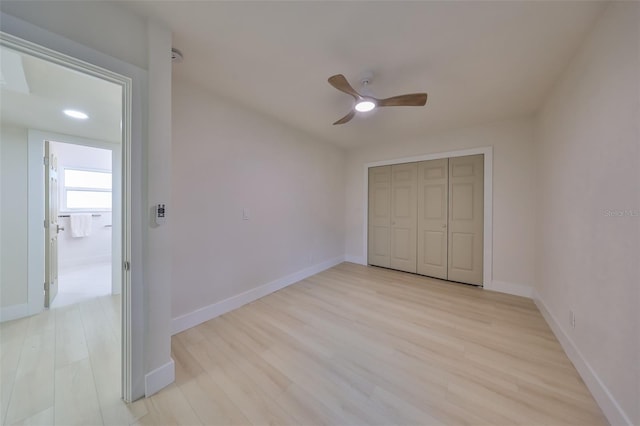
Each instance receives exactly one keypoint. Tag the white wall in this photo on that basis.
(97, 24)
(226, 158)
(158, 251)
(96, 247)
(588, 163)
(513, 185)
(13, 220)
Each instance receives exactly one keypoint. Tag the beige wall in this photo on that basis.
(513, 185)
(588, 163)
(13, 219)
(226, 158)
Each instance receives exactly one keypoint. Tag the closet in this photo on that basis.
(427, 218)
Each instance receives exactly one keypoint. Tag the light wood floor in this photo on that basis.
(62, 367)
(352, 345)
(363, 345)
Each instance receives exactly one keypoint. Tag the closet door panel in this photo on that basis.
(379, 232)
(404, 216)
(433, 194)
(466, 221)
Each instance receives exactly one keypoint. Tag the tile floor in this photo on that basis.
(80, 283)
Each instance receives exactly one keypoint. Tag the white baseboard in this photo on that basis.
(510, 288)
(159, 378)
(8, 313)
(355, 259)
(610, 407)
(500, 286)
(206, 313)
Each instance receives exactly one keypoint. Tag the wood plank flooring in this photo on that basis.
(353, 345)
(62, 367)
(361, 345)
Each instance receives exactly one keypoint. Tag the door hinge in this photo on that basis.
(126, 265)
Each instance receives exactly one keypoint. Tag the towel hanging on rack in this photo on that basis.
(80, 224)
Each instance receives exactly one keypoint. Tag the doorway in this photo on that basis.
(86, 256)
(34, 111)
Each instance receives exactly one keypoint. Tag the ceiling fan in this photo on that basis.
(364, 102)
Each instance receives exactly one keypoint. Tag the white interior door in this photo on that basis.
(466, 194)
(52, 227)
(404, 213)
(433, 195)
(379, 216)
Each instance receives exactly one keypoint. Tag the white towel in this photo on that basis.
(80, 224)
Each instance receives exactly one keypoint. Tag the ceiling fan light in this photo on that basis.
(365, 105)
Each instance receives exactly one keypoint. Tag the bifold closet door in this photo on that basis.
(404, 215)
(427, 218)
(379, 231)
(433, 207)
(466, 223)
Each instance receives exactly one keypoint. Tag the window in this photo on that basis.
(86, 189)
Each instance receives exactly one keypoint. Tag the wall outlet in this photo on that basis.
(572, 319)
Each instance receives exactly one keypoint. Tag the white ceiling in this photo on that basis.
(479, 61)
(52, 88)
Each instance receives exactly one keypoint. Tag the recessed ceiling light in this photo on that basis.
(76, 114)
(365, 105)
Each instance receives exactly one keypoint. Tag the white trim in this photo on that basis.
(487, 267)
(612, 410)
(8, 313)
(186, 321)
(511, 288)
(159, 378)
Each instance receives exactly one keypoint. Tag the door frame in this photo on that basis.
(487, 266)
(35, 152)
(23, 37)
(50, 254)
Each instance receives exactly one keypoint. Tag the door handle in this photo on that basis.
(60, 228)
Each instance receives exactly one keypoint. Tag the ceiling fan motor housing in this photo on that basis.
(365, 102)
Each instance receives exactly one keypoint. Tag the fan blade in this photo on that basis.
(346, 118)
(413, 99)
(340, 82)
